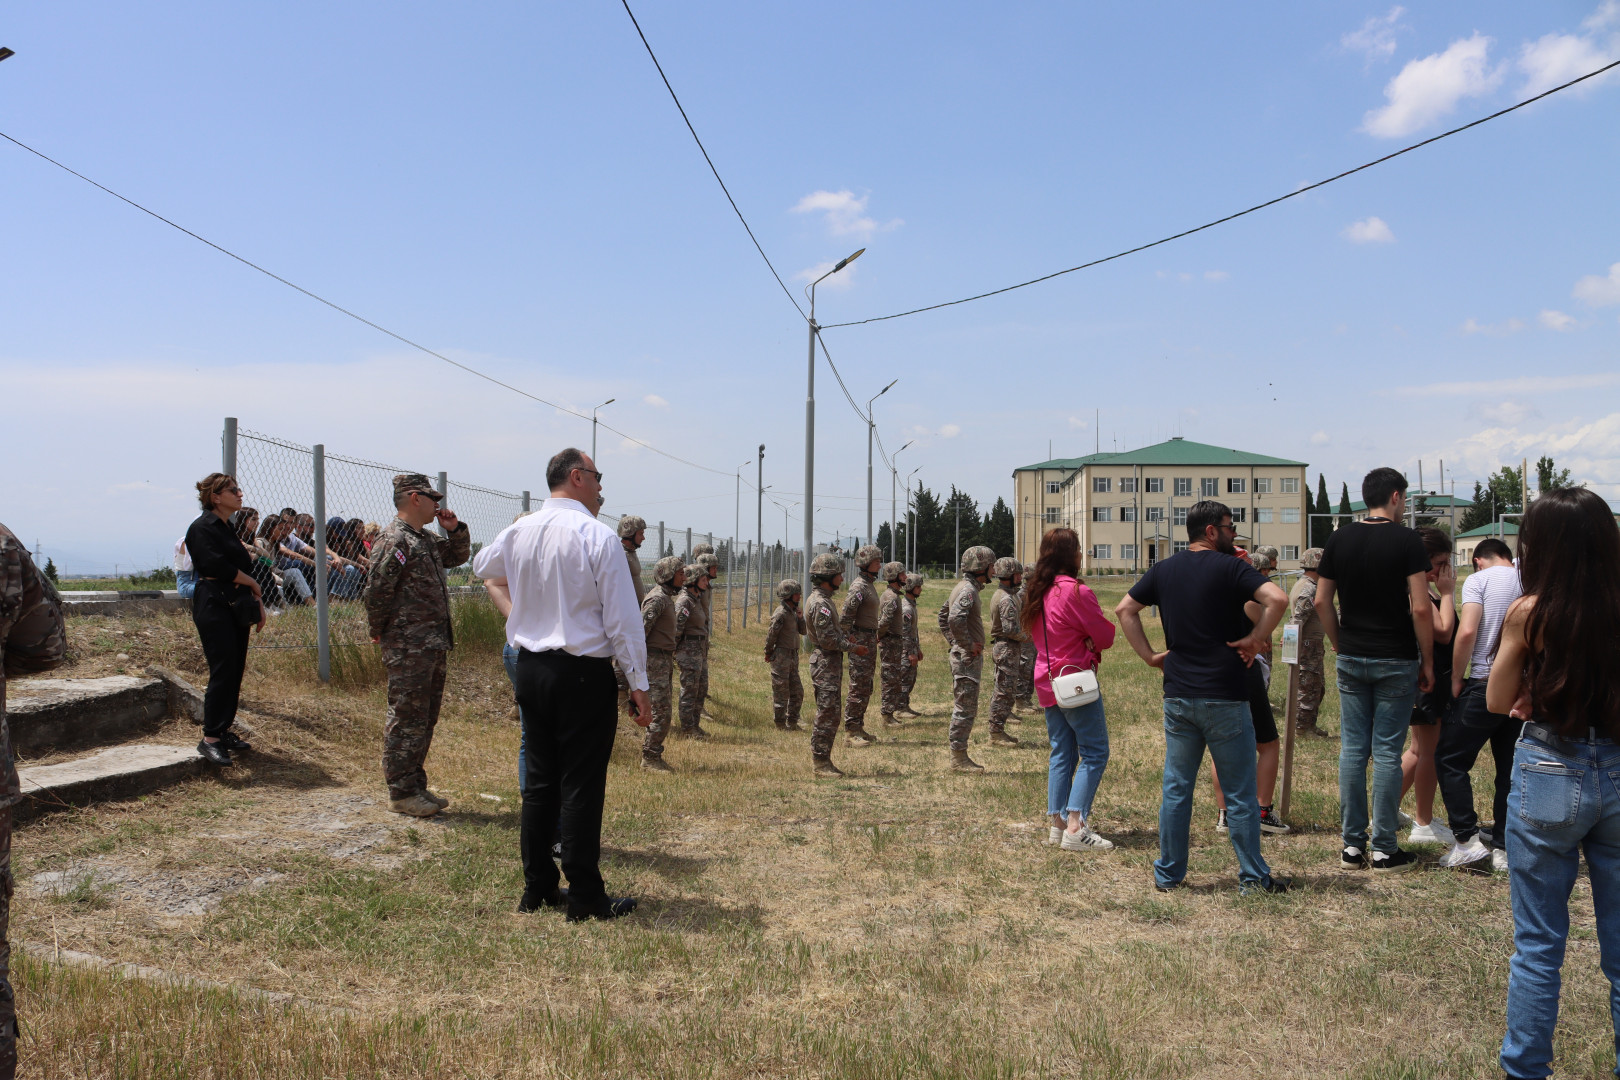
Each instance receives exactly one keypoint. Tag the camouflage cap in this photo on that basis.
(787, 589)
(407, 482)
(1006, 568)
(1270, 552)
(629, 525)
(1261, 561)
(866, 553)
(694, 572)
(1311, 559)
(825, 567)
(914, 582)
(710, 564)
(702, 549)
(665, 569)
(977, 560)
(893, 571)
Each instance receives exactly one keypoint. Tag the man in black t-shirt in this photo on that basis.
(1209, 644)
(1384, 636)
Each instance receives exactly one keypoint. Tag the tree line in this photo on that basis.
(935, 523)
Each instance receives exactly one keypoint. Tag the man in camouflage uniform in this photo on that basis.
(1025, 694)
(827, 661)
(964, 625)
(691, 644)
(894, 652)
(859, 621)
(632, 533)
(1312, 653)
(32, 639)
(658, 621)
(408, 607)
(1006, 638)
(782, 653)
(706, 559)
(914, 654)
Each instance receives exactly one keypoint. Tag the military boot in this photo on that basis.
(857, 735)
(417, 805)
(782, 725)
(793, 725)
(890, 721)
(825, 769)
(440, 799)
(693, 732)
(655, 763)
(1312, 729)
(1001, 738)
(960, 762)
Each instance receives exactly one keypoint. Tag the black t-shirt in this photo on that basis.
(1201, 596)
(1369, 564)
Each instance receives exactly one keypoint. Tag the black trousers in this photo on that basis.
(224, 646)
(1463, 733)
(569, 706)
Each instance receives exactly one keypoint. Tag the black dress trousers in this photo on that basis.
(225, 647)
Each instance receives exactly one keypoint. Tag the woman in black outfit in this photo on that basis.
(226, 596)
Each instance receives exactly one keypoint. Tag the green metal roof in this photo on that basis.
(1431, 502)
(1175, 451)
(1506, 528)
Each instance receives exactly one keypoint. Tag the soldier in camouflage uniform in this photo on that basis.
(827, 661)
(1025, 694)
(408, 607)
(711, 566)
(632, 533)
(32, 639)
(691, 643)
(1312, 653)
(859, 622)
(914, 654)
(964, 625)
(782, 653)
(894, 652)
(1006, 638)
(658, 621)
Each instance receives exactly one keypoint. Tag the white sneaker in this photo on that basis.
(1054, 835)
(1085, 840)
(1464, 854)
(1499, 861)
(1432, 833)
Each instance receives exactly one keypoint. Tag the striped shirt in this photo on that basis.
(1494, 589)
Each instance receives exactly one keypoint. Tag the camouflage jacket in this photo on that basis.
(658, 618)
(1004, 616)
(963, 619)
(634, 560)
(891, 614)
(909, 615)
(1302, 608)
(821, 623)
(860, 606)
(786, 626)
(407, 601)
(690, 618)
(32, 637)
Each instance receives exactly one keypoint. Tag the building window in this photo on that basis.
(1183, 487)
(1180, 516)
(1054, 487)
(1290, 485)
(1155, 485)
(1237, 514)
(1102, 513)
(1290, 515)
(1101, 484)
(1155, 513)
(1102, 551)
(1236, 485)
(1127, 513)
(1209, 487)
(1262, 485)
(1127, 551)
(1180, 546)
(1052, 515)
(1127, 485)
(1290, 551)
(1262, 515)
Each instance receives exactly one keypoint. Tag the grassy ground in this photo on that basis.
(904, 921)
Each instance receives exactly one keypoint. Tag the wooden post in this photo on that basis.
(1291, 715)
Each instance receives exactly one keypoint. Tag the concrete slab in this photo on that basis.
(62, 714)
(121, 772)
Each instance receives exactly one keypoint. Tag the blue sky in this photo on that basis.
(511, 185)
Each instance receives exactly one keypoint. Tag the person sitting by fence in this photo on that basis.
(245, 523)
(343, 578)
(347, 578)
(273, 535)
(185, 578)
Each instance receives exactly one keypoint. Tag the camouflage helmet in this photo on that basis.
(787, 589)
(825, 567)
(694, 572)
(665, 569)
(629, 525)
(1261, 561)
(977, 560)
(893, 571)
(701, 549)
(1006, 568)
(710, 564)
(866, 553)
(1270, 552)
(1311, 559)
(913, 582)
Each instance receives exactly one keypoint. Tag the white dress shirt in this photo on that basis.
(570, 587)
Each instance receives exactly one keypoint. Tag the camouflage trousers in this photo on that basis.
(892, 653)
(415, 691)
(8, 1001)
(689, 658)
(1008, 669)
(826, 682)
(1312, 683)
(703, 677)
(908, 682)
(787, 688)
(1026, 672)
(862, 670)
(965, 672)
(660, 694)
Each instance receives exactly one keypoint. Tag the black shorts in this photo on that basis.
(1432, 707)
(1265, 722)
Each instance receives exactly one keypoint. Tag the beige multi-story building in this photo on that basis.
(1130, 507)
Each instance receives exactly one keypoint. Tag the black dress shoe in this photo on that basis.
(234, 743)
(214, 752)
(557, 899)
(611, 907)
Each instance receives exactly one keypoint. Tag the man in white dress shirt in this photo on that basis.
(574, 614)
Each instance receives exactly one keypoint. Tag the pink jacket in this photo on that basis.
(1071, 615)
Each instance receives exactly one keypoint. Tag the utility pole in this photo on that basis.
(871, 430)
(759, 510)
(810, 423)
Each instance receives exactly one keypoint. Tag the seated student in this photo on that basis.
(1434, 706)
(345, 578)
(289, 563)
(185, 578)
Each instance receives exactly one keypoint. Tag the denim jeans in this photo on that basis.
(185, 583)
(1375, 709)
(1079, 739)
(295, 585)
(344, 583)
(509, 655)
(1565, 800)
(1465, 731)
(1226, 728)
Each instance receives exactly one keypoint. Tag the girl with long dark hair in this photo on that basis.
(1070, 633)
(1556, 667)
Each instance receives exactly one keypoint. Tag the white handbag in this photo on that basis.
(1076, 686)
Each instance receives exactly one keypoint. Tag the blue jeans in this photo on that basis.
(185, 583)
(509, 655)
(1079, 739)
(294, 585)
(1226, 728)
(1564, 801)
(1375, 709)
(345, 583)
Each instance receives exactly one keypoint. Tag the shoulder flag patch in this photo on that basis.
(399, 553)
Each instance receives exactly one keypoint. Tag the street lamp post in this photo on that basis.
(604, 405)
(759, 514)
(731, 548)
(911, 519)
(810, 423)
(871, 430)
(894, 519)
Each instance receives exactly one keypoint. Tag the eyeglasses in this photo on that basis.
(1232, 527)
(424, 495)
(233, 491)
(594, 473)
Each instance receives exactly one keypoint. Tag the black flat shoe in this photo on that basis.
(234, 743)
(557, 899)
(214, 753)
(612, 907)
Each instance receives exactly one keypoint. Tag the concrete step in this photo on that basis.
(48, 715)
(121, 772)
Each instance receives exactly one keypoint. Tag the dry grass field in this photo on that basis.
(901, 922)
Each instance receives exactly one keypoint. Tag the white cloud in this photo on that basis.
(950, 431)
(1528, 384)
(1607, 14)
(1371, 230)
(1078, 424)
(840, 281)
(1322, 438)
(1600, 291)
(1376, 38)
(1502, 329)
(844, 213)
(1430, 88)
(1555, 320)
(1216, 275)
(655, 401)
(1506, 412)
(1591, 451)
(1558, 58)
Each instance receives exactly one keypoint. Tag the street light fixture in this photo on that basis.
(894, 520)
(871, 430)
(604, 405)
(810, 423)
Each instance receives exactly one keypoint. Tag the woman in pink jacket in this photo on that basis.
(1070, 632)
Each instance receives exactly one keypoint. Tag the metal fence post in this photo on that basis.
(228, 448)
(731, 564)
(660, 540)
(444, 487)
(688, 555)
(323, 644)
(525, 502)
(748, 579)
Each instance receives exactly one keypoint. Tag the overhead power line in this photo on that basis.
(1232, 217)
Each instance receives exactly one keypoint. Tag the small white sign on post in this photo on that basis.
(1290, 644)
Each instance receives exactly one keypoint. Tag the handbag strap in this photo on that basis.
(1046, 636)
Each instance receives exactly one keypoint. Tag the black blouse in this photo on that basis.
(215, 550)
